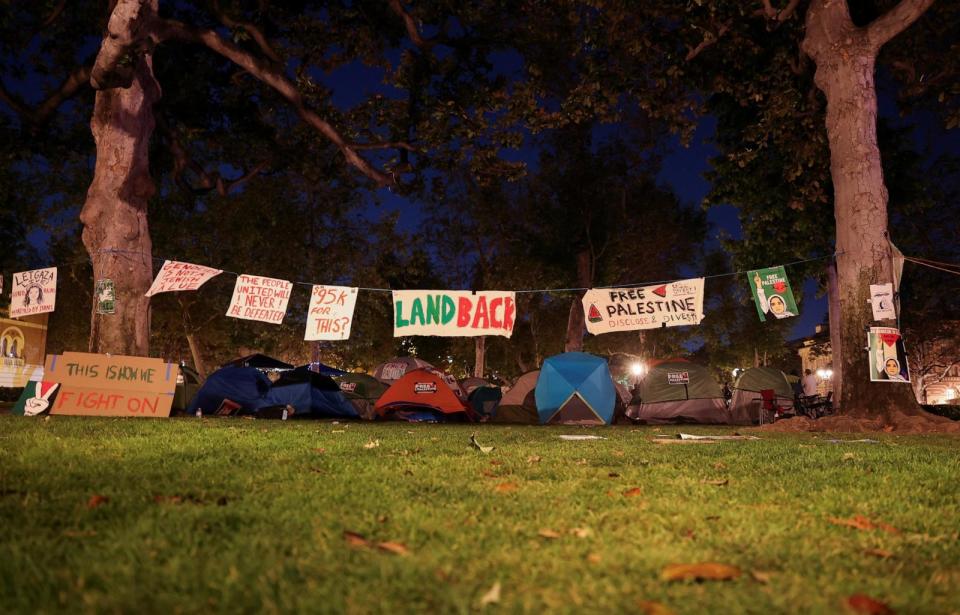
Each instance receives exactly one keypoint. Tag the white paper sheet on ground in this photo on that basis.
(581, 437)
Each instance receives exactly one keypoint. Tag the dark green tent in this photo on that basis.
(361, 390)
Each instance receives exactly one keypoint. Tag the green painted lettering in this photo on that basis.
(433, 309)
(449, 309)
(400, 321)
(416, 311)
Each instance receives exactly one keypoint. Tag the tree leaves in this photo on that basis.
(359, 541)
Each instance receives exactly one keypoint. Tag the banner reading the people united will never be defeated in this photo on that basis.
(674, 304)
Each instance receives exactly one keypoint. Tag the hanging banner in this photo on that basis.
(176, 276)
(33, 292)
(110, 385)
(259, 298)
(886, 355)
(608, 310)
(106, 296)
(453, 313)
(330, 313)
(772, 294)
(881, 299)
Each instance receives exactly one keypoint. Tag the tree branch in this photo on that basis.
(384, 145)
(779, 15)
(895, 21)
(273, 76)
(125, 37)
(411, 25)
(709, 38)
(255, 33)
(52, 17)
(38, 116)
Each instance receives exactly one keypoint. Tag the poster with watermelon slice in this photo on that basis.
(886, 355)
(772, 294)
(673, 304)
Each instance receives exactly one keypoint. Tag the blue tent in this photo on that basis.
(313, 395)
(575, 388)
(242, 387)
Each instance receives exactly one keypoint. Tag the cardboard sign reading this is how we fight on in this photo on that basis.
(111, 385)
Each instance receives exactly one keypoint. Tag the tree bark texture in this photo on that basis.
(480, 353)
(114, 216)
(575, 321)
(845, 56)
(836, 343)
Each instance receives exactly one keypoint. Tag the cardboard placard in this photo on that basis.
(176, 276)
(33, 292)
(330, 313)
(259, 298)
(453, 313)
(105, 385)
(772, 293)
(608, 310)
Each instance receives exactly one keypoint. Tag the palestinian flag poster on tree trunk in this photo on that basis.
(772, 294)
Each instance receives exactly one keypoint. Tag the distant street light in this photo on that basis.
(637, 369)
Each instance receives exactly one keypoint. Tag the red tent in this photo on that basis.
(424, 389)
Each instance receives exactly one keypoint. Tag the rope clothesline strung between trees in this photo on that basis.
(529, 290)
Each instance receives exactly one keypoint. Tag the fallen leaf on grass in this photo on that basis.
(712, 517)
(489, 474)
(486, 450)
(849, 456)
(705, 571)
(632, 493)
(582, 532)
(360, 541)
(719, 466)
(760, 576)
(534, 459)
(547, 533)
(862, 603)
(649, 607)
(96, 501)
(505, 487)
(393, 547)
(355, 540)
(168, 499)
(496, 462)
(319, 451)
(372, 444)
(594, 558)
(492, 596)
(337, 431)
(618, 453)
(863, 523)
(79, 533)
(720, 482)
(881, 553)
(581, 462)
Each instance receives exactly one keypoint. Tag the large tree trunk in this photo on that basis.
(845, 56)
(114, 216)
(575, 321)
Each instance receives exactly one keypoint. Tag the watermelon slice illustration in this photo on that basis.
(779, 286)
(593, 314)
(660, 291)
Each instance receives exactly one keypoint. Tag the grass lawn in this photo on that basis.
(240, 515)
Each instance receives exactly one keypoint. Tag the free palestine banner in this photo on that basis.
(330, 313)
(259, 298)
(174, 276)
(608, 310)
(453, 313)
(33, 292)
(772, 294)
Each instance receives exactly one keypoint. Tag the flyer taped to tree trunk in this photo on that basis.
(886, 355)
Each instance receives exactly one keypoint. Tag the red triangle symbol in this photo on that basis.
(661, 291)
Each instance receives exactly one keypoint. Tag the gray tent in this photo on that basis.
(746, 403)
(677, 391)
(519, 404)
